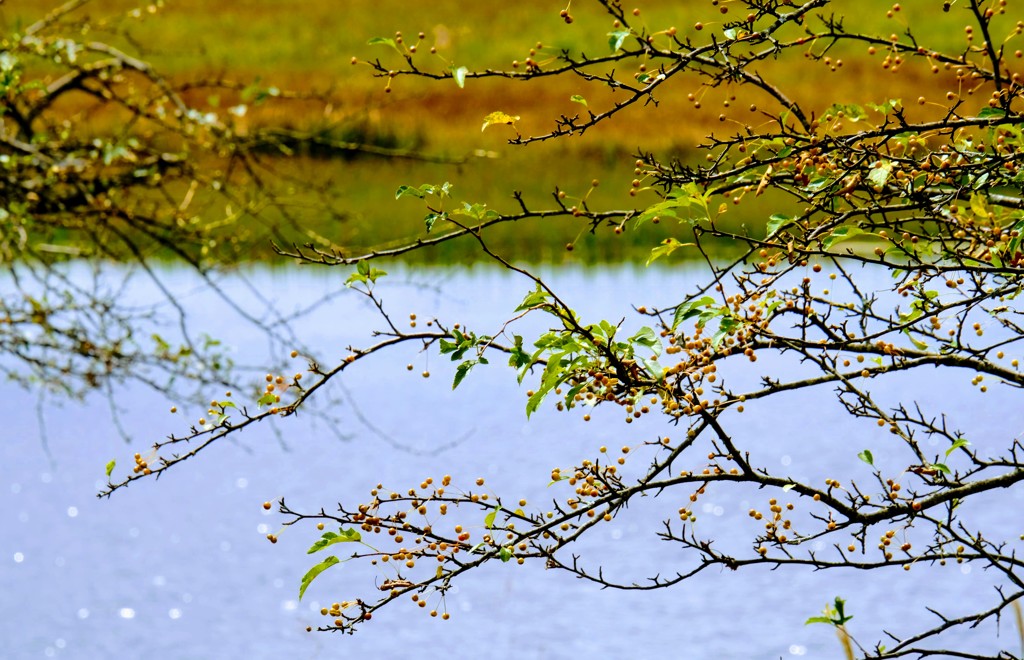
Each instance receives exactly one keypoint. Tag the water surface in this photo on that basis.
(180, 568)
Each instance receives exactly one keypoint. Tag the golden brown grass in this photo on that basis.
(308, 46)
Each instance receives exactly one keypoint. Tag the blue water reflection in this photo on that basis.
(181, 568)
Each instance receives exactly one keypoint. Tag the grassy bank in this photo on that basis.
(349, 205)
(309, 46)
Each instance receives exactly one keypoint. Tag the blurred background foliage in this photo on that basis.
(291, 66)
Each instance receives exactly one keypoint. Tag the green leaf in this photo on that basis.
(536, 297)
(315, 571)
(570, 396)
(840, 234)
(788, 487)
(476, 211)
(776, 222)
(725, 327)
(505, 553)
(960, 442)
(646, 337)
(554, 373)
(918, 344)
(266, 400)
(840, 605)
(161, 343)
(603, 329)
(866, 457)
(461, 371)
(662, 209)
(112, 464)
(691, 192)
(886, 107)
(979, 204)
(991, 113)
(690, 309)
(518, 358)
(576, 98)
(855, 113)
(459, 75)
(852, 113)
(499, 117)
(616, 38)
(667, 247)
(879, 175)
(382, 41)
(534, 401)
(431, 218)
(364, 273)
(489, 518)
(818, 182)
(330, 538)
(409, 191)
(942, 467)
(833, 616)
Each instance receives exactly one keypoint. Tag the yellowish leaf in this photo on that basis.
(499, 118)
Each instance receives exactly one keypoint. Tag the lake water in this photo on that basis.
(180, 568)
